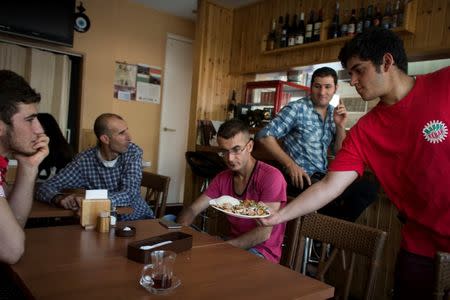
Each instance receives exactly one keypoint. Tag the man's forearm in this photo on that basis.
(252, 238)
(22, 194)
(317, 196)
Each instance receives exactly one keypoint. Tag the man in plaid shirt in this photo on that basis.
(306, 128)
(114, 164)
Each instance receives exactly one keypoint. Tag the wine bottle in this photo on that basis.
(309, 28)
(333, 30)
(394, 23)
(386, 21)
(300, 36)
(284, 33)
(292, 32)
(344, 25)
(278, 33)
(317, 27)
(401, 12)
(271, 39)
(376, 21)
(360, 24)
(369, 17)
(351, 27)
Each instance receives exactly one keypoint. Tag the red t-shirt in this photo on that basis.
(407, 145)
(266, 184)
(3, 169)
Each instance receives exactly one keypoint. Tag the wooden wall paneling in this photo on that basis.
(208, 82)
(190, 187)
(237, 45)
(432, 35)
(436, 36)
(424, 16)
(211, 80)
(446, 37)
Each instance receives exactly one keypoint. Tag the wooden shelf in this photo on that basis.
(407, 29)
(324, 43)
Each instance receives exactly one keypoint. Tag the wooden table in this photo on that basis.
(69, 263)
(44, 210)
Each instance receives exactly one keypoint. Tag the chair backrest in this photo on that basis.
(344, 238)
(442, 280)
(205, 164)
(290, 243)
(157, 188)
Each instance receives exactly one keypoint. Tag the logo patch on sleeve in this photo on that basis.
(435, 131)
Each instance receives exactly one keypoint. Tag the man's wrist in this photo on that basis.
(56, 199)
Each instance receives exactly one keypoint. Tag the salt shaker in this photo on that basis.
(113, 216)
(103, 222)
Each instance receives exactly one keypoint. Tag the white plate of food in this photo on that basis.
(247, 209)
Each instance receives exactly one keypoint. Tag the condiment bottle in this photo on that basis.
(103, 222)
(113, 216)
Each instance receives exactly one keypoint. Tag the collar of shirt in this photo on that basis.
(106, 163)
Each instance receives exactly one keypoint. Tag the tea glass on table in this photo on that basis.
(158, 277)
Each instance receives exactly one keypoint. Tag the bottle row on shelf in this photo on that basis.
(285, 33)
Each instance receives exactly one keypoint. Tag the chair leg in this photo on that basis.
(204, 214)
(306, 254)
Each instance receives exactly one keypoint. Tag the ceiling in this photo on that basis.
(187, 8)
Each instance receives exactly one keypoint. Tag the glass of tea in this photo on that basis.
(158, 277)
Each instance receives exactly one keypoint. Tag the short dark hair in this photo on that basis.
(372, 45)
(324, 72)
(101, 124)
(232, 127)
(14, 90)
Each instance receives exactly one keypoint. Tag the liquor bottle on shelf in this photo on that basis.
(376, 21)
(401, 13)
(309, 28)
(284, 33)
(368, 18)
(300, 36)
(360, 24)
(271, 39)
(292, 32)
(344, 25)
(397, 17)
(231, 109)
(278, 33)
(333, 30)
(317, 27)
(351, 27)
(386, 21)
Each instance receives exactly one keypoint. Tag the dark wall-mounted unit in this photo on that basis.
(44, 20)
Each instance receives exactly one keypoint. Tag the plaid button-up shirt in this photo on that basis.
(305, 137)
(86, 171)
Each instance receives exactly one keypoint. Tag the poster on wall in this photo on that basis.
(125, 81)
(148, 84)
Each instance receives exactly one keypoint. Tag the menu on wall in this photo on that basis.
(148, 84)
(125, 81)
(137, 82)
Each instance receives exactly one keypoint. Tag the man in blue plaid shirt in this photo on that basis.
(114, 164)
(306, 128)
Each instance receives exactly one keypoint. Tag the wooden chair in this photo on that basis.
(442, 280)
(344, 238)
(290, 242)
(157, 188)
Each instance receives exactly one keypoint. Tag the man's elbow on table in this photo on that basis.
(13, 249)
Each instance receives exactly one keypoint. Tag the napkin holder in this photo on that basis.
(90, 210)
(180, 242)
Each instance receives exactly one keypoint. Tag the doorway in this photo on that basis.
(175, 108)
